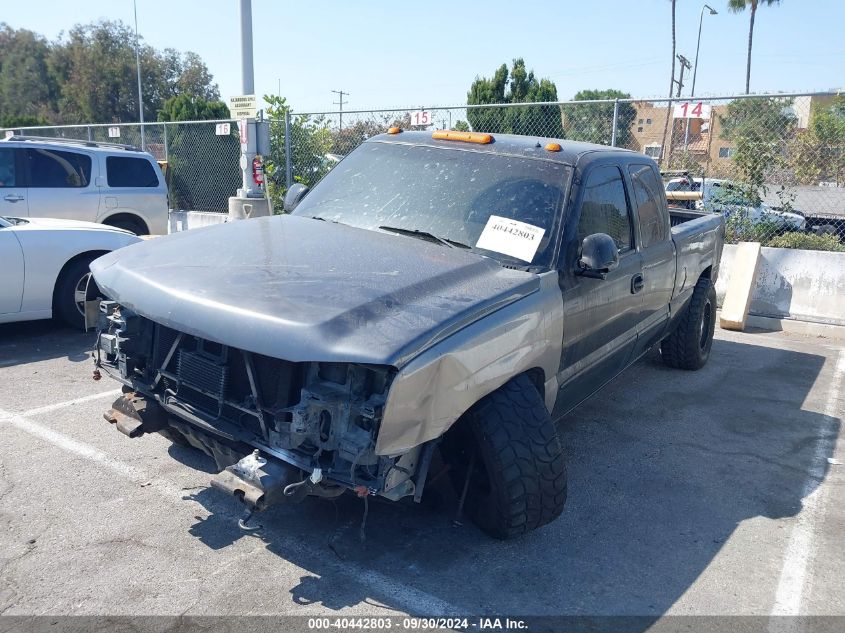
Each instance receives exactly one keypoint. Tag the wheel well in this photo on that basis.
(68, 264)
(706, 273)
(537, 377)
(127, 217)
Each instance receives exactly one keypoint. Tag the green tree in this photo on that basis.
(27, 90)
(593, 122)
(188, 107)
(89, 76)
(738, 6)
(759, 129)
(461, 126)
(518, 86)
(818, 153)
(311, 140)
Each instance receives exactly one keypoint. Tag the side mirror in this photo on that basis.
(599, 255)
(294, 196)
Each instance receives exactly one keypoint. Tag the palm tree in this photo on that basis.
(663, 153)
(738, 6)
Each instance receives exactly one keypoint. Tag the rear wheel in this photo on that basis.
(518, 477)
(688, 347)
(133, 225)
(73, 288)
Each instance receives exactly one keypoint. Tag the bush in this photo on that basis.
(807, 241)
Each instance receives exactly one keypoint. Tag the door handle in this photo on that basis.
(637, 283)
(12, 197)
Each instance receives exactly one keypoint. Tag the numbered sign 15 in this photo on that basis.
(421, 117)
(692, 110)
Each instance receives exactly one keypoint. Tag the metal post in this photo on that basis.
(288, 152)
(166, 153)
(615, 122)
(247, 88)
(695, 64)
(90, 137)
(138, 68)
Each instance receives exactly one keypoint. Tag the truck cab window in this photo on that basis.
(604, 207)
(647, 194)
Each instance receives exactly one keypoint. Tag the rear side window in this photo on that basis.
(604, 208)
(8, 172)
(647, 189)
(51, 169)
(125, 171)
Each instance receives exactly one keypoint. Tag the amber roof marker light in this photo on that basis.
(394, 130)
(552, 147)
(467, 137)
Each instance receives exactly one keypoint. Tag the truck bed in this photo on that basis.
(697, 236)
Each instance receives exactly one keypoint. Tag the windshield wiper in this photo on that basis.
(425, 235)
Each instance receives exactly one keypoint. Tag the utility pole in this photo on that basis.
(695, 65)
(138, 68)
(250, 200)
(339, 102)
(685, 65)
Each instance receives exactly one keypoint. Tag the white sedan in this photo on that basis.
(44, 266)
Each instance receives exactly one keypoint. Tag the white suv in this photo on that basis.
(107, 183)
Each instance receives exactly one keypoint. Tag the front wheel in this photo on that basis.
(518, 478)
(72, 290)
(688, 347)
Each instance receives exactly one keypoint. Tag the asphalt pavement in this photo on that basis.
(717, 492)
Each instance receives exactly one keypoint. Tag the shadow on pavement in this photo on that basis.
(663, 466)
(33, 341)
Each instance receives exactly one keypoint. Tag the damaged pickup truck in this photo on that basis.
(447, 294)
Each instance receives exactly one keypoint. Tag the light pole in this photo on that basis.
(695, 64)
(138, 68)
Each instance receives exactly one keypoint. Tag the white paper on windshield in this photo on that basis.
(511, 237)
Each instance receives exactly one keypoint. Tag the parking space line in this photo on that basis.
(794, 579)
(414, 600)
(68, 403)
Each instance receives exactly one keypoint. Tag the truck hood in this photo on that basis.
(308, 290)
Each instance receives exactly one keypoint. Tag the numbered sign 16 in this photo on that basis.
(421, 117)
(223, 129)
(692, 110)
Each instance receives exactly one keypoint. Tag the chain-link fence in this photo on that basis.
(774, 165)
(200, 159)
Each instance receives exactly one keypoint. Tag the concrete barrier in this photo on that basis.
(793, 284)
(185, 220)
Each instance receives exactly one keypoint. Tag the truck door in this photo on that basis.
(13, 202)
(60, 184)
(657, 252)
(600, 316)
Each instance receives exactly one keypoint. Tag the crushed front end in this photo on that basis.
(278, 430)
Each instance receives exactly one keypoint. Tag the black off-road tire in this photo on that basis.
(69, 290)
(688, 347)
(519, 476)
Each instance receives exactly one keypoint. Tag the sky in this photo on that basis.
(409, 54)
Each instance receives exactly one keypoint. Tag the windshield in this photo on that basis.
(450, 194)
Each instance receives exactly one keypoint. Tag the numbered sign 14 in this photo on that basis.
(421, 117)
(692, 110)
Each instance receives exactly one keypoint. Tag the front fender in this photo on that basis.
(431, 392)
